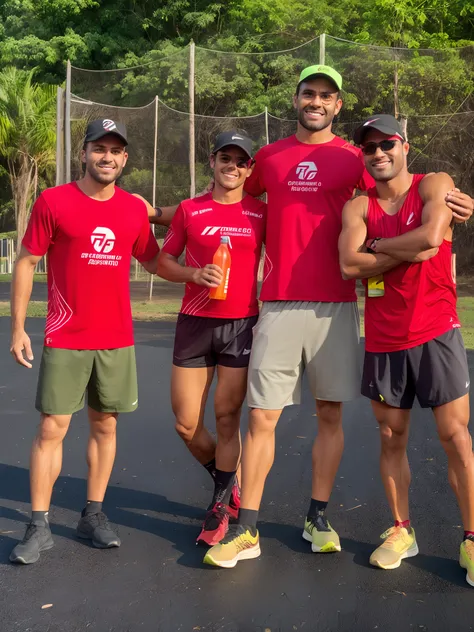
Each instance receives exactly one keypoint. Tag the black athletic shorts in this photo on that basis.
(202, 341)
(436, 372)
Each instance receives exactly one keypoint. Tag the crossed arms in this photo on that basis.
(417, 245)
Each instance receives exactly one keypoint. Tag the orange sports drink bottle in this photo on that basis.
(222, 259)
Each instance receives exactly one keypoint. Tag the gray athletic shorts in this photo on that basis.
(292, 337)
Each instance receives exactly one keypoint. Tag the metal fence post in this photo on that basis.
(67, 125)
(155, 165)
(192, 137)
(322, 49)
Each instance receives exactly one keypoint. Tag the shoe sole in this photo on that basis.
(248, 554)
(21, 560)
(98, 545)
(329, 547)
(404, 556)
(468, 579)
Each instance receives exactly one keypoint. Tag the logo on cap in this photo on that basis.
(306, 171)
(370, 122)
(109, 125)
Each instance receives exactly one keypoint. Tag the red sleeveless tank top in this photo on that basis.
(419, 303)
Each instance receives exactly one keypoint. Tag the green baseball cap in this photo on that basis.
(322, 71)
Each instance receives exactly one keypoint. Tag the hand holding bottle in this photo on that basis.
(210, 276)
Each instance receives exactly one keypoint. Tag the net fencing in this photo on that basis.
(176, 102)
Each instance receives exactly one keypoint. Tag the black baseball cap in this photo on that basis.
(385, 123)
(102, 127)
(238, 139)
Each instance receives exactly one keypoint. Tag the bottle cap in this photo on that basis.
(225, 240)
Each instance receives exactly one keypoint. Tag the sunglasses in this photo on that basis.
(371, 148)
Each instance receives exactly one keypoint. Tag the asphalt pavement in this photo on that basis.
(156, 581)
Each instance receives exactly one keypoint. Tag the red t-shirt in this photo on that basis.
(198, 226)
(419, 303)
(307, 187)
(89, 246)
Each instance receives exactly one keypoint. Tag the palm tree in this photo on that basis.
(27, 137)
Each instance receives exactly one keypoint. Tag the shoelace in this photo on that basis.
(392, 536)
(215, 516)
(98, 520)
(31, 529)
(235, 534)
(320, 523)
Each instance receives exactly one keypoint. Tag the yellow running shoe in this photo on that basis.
(240, 543)
(398, 545)
(466, 559)
(322, 536)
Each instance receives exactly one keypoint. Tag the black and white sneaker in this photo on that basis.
(96, 527)
(37, 538)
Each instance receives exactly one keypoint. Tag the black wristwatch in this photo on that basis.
(158, 211)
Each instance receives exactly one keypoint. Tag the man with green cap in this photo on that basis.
(309, 321)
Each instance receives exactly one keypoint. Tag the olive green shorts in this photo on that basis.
(109, 376)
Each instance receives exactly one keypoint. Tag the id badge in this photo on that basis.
(376, 286)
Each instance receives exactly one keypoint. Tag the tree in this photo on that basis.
(27, 137)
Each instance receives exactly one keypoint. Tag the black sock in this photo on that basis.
(211, 468)
(248, 517)
(92, 507)
(316, 507)
(40, 516)
(224, 482)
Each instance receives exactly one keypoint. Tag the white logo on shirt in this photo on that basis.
(103, 239)
(109, 125)
(227, 230)
(467, 384)
(306, 171)
(410, 219)
(245, 351)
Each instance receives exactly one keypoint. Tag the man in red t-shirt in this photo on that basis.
(89, 230)
(215, 334)
(414, 345)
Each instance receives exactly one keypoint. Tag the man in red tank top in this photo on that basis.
(398, 238)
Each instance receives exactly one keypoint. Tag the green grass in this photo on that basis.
(7, 278)
(141, 310)
(465, 308)
(168, 310)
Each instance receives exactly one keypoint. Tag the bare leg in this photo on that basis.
(394, 468)
(230, 394)
(46, 459)
(452, 421)
(258, 455)
(100, 453)
(327, 448)
(189, 391)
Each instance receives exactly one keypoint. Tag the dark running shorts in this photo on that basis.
(201, 341)
(436, 372)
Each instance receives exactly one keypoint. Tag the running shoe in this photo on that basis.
(215, 525)
(398, 545)
(37, 538)
(240, 543)
(466, 559)
(96, 527)
(322, 536)
(234, 502)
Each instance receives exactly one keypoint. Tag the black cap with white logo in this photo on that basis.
(385, 123)
(102, 127)
(238, 139)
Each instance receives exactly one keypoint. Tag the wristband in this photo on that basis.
(373, 246)
(158, 211)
